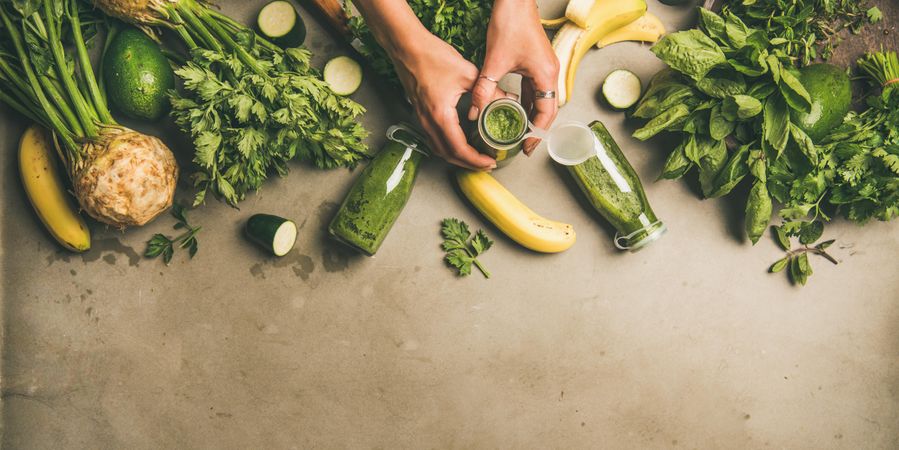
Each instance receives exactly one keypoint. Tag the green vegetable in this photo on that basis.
(343, 75)
(279, 21)
(622, 89)
(249, 106)
(805, 29)
(460, 23)
(163, 245)
(275, 234)
(758, 211)
(830, 95)
(462, 249)
(137, 75)
(864, 151)
(797, 259)
(120, 177)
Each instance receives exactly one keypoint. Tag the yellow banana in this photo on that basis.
(552, 24)
(645, 29)
(590, 21)
(45, 189)
(512, 217)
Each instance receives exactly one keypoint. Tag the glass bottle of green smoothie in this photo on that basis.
(608, 180)
(380, 193)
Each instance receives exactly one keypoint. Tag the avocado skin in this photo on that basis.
(831, 95)
(137, 76)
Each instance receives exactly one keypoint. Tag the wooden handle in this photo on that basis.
(333, 13)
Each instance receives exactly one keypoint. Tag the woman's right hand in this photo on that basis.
(435, 76)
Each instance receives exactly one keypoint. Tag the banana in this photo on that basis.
(645, 29)
(589, 22)
(45, 189)
(563, 45)
(552, 24)
(512, 217)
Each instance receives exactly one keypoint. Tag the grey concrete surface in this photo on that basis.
(688, 344)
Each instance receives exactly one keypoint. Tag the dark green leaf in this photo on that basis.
(811, 232)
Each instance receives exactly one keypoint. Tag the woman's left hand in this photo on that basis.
(516, 43)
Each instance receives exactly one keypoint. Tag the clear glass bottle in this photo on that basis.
(380, 193)
(608, 180)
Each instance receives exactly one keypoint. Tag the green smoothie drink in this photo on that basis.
(380, 193)
(501, 128)
(608, 180)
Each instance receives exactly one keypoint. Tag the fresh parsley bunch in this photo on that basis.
(865, 149)
(461, 23)
(808, 28)
(250, 113)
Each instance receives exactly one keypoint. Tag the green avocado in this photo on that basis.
(831, 95)
(137, 76)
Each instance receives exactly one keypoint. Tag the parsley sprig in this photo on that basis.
(161, 244)
(462, 249)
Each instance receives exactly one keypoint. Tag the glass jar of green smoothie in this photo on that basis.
(380, 193)
(608, 180)
(500, 130)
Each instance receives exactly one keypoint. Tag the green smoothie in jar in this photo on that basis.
(501, 128)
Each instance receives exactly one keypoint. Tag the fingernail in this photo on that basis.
(473, 113)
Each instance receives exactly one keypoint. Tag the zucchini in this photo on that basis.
(343, 74)
(273, 233)
(280, 23)
(622, 89)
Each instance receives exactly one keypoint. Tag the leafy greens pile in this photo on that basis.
(251, 106)
(460, 23)
(728, 94)
(811, 28)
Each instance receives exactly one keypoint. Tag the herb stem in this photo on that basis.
(99, 104)
(54, 42)
(52, 115)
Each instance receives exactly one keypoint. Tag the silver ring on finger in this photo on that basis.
(540, 95)
(491, 79)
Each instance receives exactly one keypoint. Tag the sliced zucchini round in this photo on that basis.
(343, 74)
(276, 234)
(622, 89)
(280, 23)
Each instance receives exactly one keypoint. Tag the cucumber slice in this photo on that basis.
(622, 89)
(343, 74)
(280, 23)
(275, 234)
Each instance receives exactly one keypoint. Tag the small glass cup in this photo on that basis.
(501, 150)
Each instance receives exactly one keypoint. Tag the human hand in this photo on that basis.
(516, 43)
(435, 76)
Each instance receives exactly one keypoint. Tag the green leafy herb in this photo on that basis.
(252, 107)
(797, 259)
(462, 249)
(162, 245)
(805, 29)
(460, 23)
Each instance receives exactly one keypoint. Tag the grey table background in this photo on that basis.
(689, 343)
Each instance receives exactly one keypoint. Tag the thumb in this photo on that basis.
(484, 89)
